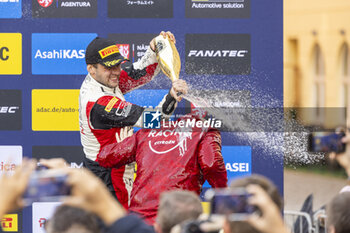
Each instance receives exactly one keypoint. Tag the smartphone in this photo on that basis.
(232, 203)
(40, 167)
(46, 186)
(326, 142)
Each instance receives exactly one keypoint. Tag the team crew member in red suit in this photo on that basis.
(103, 109)
(167, 158)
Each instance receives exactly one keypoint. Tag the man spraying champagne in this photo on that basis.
(103, 110)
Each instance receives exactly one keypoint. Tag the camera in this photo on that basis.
(232, 203)
(326, 142)
(46, 186)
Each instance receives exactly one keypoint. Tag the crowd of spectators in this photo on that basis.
(338, 214)
(92, 208)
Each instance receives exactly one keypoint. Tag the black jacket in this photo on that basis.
(130, 224)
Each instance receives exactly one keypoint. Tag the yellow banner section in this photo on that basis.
(9, 223)
(55, 110)
(206, 207)
(10, 53)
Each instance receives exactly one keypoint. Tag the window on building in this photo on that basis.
(345, 76)
(319, 83)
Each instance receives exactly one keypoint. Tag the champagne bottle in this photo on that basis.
(168, 57)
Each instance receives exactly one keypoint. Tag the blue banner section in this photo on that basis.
(146, 98)
(238, 162)
(60, 53)
(10, 9)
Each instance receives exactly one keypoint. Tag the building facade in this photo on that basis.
(317, 60)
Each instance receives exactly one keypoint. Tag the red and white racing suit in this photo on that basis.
(103, 110)
(167, 159)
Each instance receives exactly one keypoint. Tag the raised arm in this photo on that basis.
(143, 71)
(110, 112)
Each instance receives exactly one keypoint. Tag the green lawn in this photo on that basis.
(325, 170)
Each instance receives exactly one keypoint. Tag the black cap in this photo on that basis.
(103, 51)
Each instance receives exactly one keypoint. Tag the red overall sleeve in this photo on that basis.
(118, 154)
(211, 161)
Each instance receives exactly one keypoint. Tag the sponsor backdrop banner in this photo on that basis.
(10, 157)
(42, 211)
(10, 53)
(55, 110)
(146, 98)
(217, 8)
(10, 9)
(64, 9)
(217, 54)
(74, 155)
(140, 8)
(238, 162)
(10, 109)
(12, 222)
(231, 56)
(59, 53)
(132, 46)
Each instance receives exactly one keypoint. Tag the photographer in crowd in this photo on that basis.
(68, 219)
(94, 197)
(338, 220)
(269, 189)
(91, 195)
(338, 215)
(263, 194)
(12, 188)
(269, 221)
(343, 160)
(175, 207)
